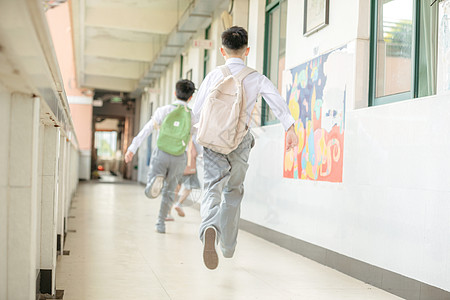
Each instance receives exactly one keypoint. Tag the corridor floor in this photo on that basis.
(115, 253)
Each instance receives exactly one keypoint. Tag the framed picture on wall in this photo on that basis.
(189, 74)
(315, 16)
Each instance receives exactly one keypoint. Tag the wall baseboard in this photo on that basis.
(391, 282)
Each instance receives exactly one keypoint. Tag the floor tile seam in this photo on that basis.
(154, 273)
(267, 283)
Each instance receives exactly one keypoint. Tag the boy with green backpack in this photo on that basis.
(168, 158)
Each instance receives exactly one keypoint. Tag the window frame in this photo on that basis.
(181, 65)
(415, 47)
(271, 6)
(206, 55)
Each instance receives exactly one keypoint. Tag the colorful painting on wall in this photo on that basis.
(316, 92)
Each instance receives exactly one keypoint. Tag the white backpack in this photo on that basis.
(223, 120)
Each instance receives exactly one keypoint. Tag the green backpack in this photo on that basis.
(175, 131)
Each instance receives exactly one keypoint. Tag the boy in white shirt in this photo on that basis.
(225, 173)
(165, 169)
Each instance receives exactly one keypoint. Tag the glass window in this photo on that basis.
(394, 47)
(106, 143)
(275, 51)
(404, 51)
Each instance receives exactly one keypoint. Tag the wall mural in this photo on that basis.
(316, 92)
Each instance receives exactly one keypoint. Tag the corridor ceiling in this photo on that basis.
(121, 45)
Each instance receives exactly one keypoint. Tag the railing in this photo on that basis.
(38, 153)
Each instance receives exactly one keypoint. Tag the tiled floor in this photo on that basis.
(116, 254)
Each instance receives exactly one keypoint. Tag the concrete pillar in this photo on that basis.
(67, 177)
(5, 108)
(22, 201)
(75, 170)
(40, 159)
(217, 27)
(195, 64)
(49, 210)
(62, 169)
(240, 13)
(256, 27)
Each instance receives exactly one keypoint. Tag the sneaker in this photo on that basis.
(210, 257)
(160, 228)
(154, 189)
(169, 218)
(180, 211)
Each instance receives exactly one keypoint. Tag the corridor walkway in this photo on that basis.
(115, 253)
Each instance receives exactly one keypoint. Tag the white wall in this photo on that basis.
(256, 22)
(175, 75)
(143, 119)
(84, 166)
(391, 210)
(342, 28)
(216, 58)
(195, 62)
(168, 95)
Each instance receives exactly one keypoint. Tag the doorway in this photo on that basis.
(108, 149)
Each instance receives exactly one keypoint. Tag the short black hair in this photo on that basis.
(184, 89)
(235, 38)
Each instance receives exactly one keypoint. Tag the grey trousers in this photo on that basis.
(171, 167)
(224, 174)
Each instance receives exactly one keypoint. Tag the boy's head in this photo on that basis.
(184, 89)
(235, 41)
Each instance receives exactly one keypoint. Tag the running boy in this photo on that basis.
(225, 173)
(165, 169)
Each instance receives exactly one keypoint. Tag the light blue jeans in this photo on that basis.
(171, 167)
(224, 174)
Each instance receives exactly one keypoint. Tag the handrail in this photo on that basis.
(29, 57)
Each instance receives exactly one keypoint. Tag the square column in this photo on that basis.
(22, 201)
(5, 108)
(62, 170)
(49, 209)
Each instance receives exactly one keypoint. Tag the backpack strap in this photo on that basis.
(243, 73)
(185, 106)
(225, 71)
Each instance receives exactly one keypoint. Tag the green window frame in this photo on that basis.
(272, 41)
(421, 33)
(206, 53)
(181, 65)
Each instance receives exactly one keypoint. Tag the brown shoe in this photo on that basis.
(210, 257)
